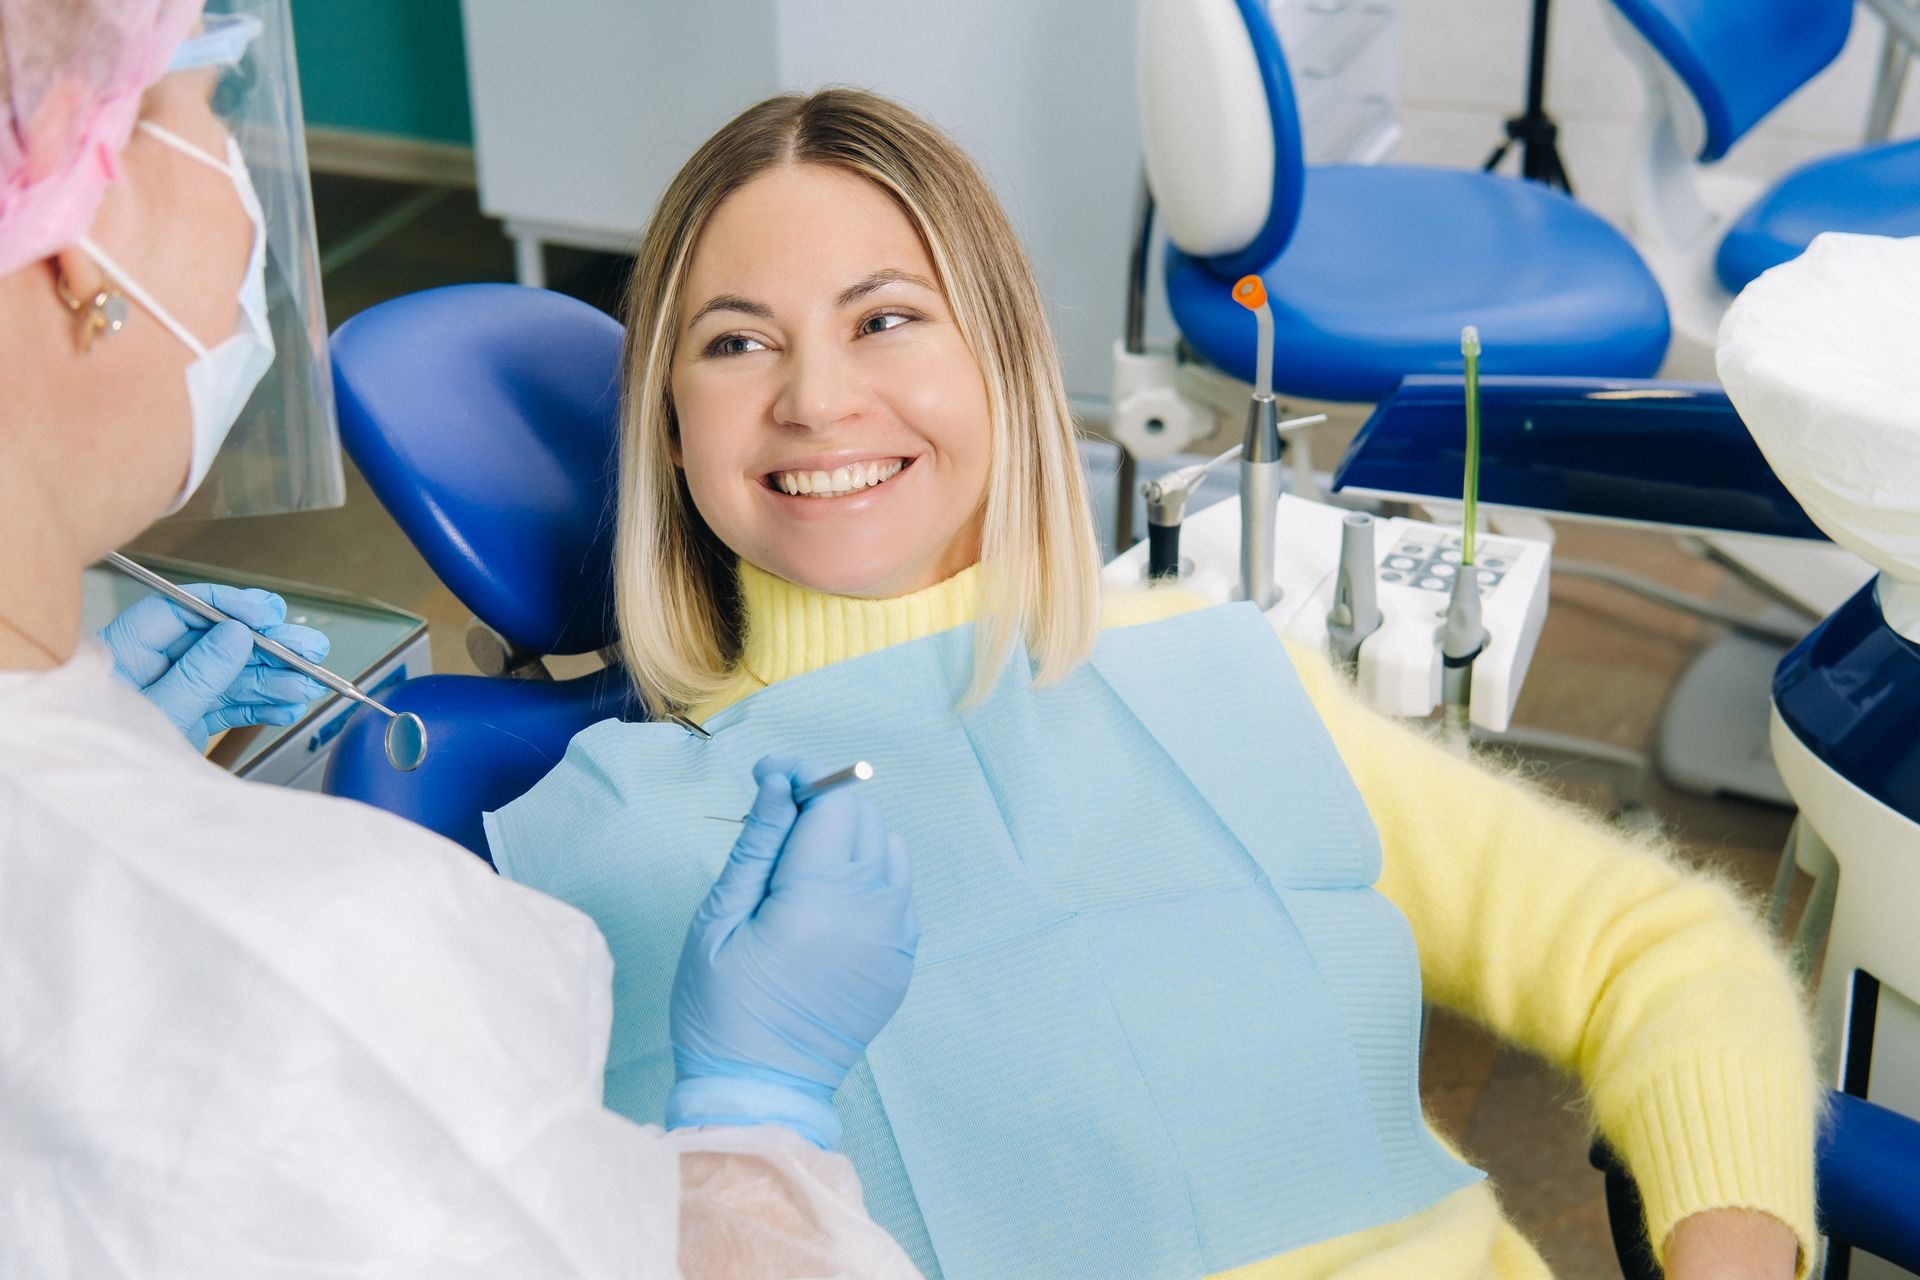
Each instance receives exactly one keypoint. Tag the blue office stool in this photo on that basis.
(1714, 71)
(485, 419)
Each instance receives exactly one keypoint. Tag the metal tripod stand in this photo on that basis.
(1533, 129)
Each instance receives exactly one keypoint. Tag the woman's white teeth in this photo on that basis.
(840, 480)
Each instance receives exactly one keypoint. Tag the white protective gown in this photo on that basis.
(253, 1032)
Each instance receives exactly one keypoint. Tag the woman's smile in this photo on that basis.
(835, 479)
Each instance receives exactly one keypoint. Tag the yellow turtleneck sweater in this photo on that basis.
(1554, 932)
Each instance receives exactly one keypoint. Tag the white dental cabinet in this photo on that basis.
(582, 111)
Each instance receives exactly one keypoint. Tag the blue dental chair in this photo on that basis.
(485, 419)
(483, 416)
(1372, 270)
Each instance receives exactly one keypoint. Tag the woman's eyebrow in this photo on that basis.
(732, 302)
(880, 279)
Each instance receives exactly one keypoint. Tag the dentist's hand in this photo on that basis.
(207, 678)
(797, 958)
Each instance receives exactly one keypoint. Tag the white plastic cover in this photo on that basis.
(1821, 356)
(1204, 125)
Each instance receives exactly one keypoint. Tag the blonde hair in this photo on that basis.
(677, 603)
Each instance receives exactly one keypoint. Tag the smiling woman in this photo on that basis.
(839, 372)
(1182, 893)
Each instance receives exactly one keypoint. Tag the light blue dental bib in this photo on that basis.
(1160, 1025)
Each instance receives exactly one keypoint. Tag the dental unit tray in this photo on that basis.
(1607, 450)
(1399, 665)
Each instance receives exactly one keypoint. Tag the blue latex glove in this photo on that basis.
(794, 962)
(207, 678)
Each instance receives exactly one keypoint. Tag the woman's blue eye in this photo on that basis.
(733, 344)
(884, 321)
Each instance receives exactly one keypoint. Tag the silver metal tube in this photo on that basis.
(1462, 637)
(1260, 485)
(1895, 55)
(1901, 19)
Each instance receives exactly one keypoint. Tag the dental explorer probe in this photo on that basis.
(858, 771)
(406, 732)
(1259, 457)
(1462, 637)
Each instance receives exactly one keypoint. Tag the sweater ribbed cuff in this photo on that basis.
(1718, 1134)
(709, 1100)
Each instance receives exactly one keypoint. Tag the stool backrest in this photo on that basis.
(486, 419)
(1221, 131)
(1739, 61)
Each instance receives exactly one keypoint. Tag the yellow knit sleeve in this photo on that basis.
(1655, 985)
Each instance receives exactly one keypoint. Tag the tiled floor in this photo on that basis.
(1605, 664)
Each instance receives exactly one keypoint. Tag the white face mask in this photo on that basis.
(219, 380)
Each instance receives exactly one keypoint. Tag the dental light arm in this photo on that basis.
(1259, 458)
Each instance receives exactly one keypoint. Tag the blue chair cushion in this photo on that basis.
(1389, 262)
(485, 418)
(488, 741)
(1875, 191)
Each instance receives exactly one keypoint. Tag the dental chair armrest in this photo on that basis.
(1869, 1170)
(1616, 449)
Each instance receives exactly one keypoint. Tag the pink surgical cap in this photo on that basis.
(72, 73)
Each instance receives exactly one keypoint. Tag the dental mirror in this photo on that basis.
(406, 740)
(406, 732)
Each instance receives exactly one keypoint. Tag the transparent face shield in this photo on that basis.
(283, 453)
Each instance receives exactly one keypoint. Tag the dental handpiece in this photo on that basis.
(1166, 506)
(1259, 456)
(406, 732)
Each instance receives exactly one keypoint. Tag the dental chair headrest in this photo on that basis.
(1220, 131)
(485, 417)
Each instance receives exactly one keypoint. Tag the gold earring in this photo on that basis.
(105, 312)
